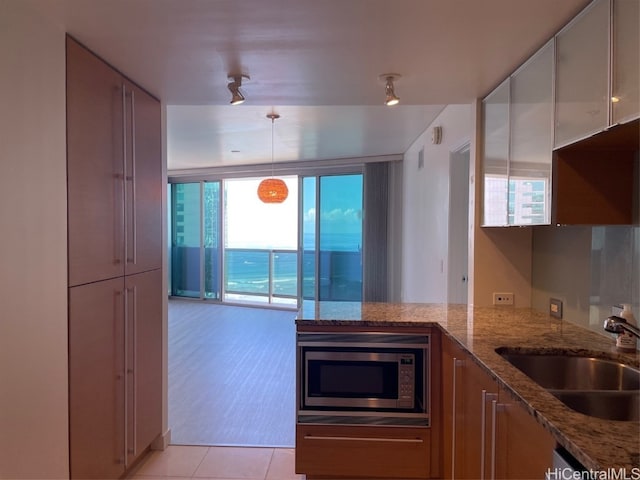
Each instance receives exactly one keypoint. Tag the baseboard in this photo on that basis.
(162, 441)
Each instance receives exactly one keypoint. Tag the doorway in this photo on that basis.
(457, 284)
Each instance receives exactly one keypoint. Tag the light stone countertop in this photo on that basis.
(598, 444)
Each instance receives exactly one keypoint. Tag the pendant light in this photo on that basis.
(272, 190)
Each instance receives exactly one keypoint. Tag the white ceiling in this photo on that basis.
(315, 62)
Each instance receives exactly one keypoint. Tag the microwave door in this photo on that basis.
(358, 380)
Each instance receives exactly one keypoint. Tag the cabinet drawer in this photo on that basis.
(368, 452)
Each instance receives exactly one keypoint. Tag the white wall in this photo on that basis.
(426, 209)
(499, 258)
(33, 275)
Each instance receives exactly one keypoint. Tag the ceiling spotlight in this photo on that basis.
(390, 95)
(234, 87)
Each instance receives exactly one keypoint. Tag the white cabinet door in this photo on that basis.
(495, 168)
(582, 75)
(626, 61)
(531, 129)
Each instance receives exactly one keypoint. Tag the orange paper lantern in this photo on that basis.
(272, 190)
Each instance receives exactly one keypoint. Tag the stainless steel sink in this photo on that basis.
(564, 372)
(593, 386)
(607, 404)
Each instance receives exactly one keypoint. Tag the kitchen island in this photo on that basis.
(596, 443)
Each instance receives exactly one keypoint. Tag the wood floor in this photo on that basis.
(231, 375)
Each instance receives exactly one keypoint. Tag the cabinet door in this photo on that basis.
(478, 391)
(94, 168)
(96, 379)
(530, 153)
(143, 165)
(626, 60)
(495, 167)
(582, 75)
(523, 448)
(143, 360)
(452, 415)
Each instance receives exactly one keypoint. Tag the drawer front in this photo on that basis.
(368, 452)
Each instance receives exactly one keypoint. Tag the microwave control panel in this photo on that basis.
(406, 380)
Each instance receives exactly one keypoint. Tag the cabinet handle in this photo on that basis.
(126, 380)
(121, 240)
(135, 368)
(486, 396)
(495, 409)
(118, 306)
(456, 363)
(365, 439)
(494, 405)
(133, 179)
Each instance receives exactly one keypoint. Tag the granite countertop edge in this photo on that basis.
(480, 331)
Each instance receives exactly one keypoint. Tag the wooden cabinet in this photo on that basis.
(115, 351)
(114, 172)
(523, 448)
(593, 181)
(96, 379)
(115, 259)
(332, 451)
(486, 433)
(143, 339)
(467, 395)
(327, 448)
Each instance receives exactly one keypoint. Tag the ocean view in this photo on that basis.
(247, 269)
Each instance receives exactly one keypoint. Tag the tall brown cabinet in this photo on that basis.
(115, 258)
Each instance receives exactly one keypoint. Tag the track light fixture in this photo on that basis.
(390, 95)
(234, 87)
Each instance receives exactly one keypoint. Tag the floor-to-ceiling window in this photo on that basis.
(185, 239)
(260, 244)
(332, 237)
(195, 239)
(227, 245)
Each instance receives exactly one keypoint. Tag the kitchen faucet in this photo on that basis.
(616, 324)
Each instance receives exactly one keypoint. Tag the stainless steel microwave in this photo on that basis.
(368, 377)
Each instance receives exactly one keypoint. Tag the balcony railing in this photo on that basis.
(266, 275)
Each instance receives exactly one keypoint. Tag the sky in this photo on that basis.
(254, 224)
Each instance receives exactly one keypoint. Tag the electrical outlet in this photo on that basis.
(503, 298)
(555, 307)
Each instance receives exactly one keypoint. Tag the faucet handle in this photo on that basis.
(613, 324)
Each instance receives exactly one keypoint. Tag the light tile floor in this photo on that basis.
(219, 463)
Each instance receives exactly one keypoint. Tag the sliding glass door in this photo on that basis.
(332, 237)
(260, 244)
(195, 240)
(227, 245)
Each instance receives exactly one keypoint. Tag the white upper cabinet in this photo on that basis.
(495, 121)
(582, 75)
(625, 98)
(530, 152)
